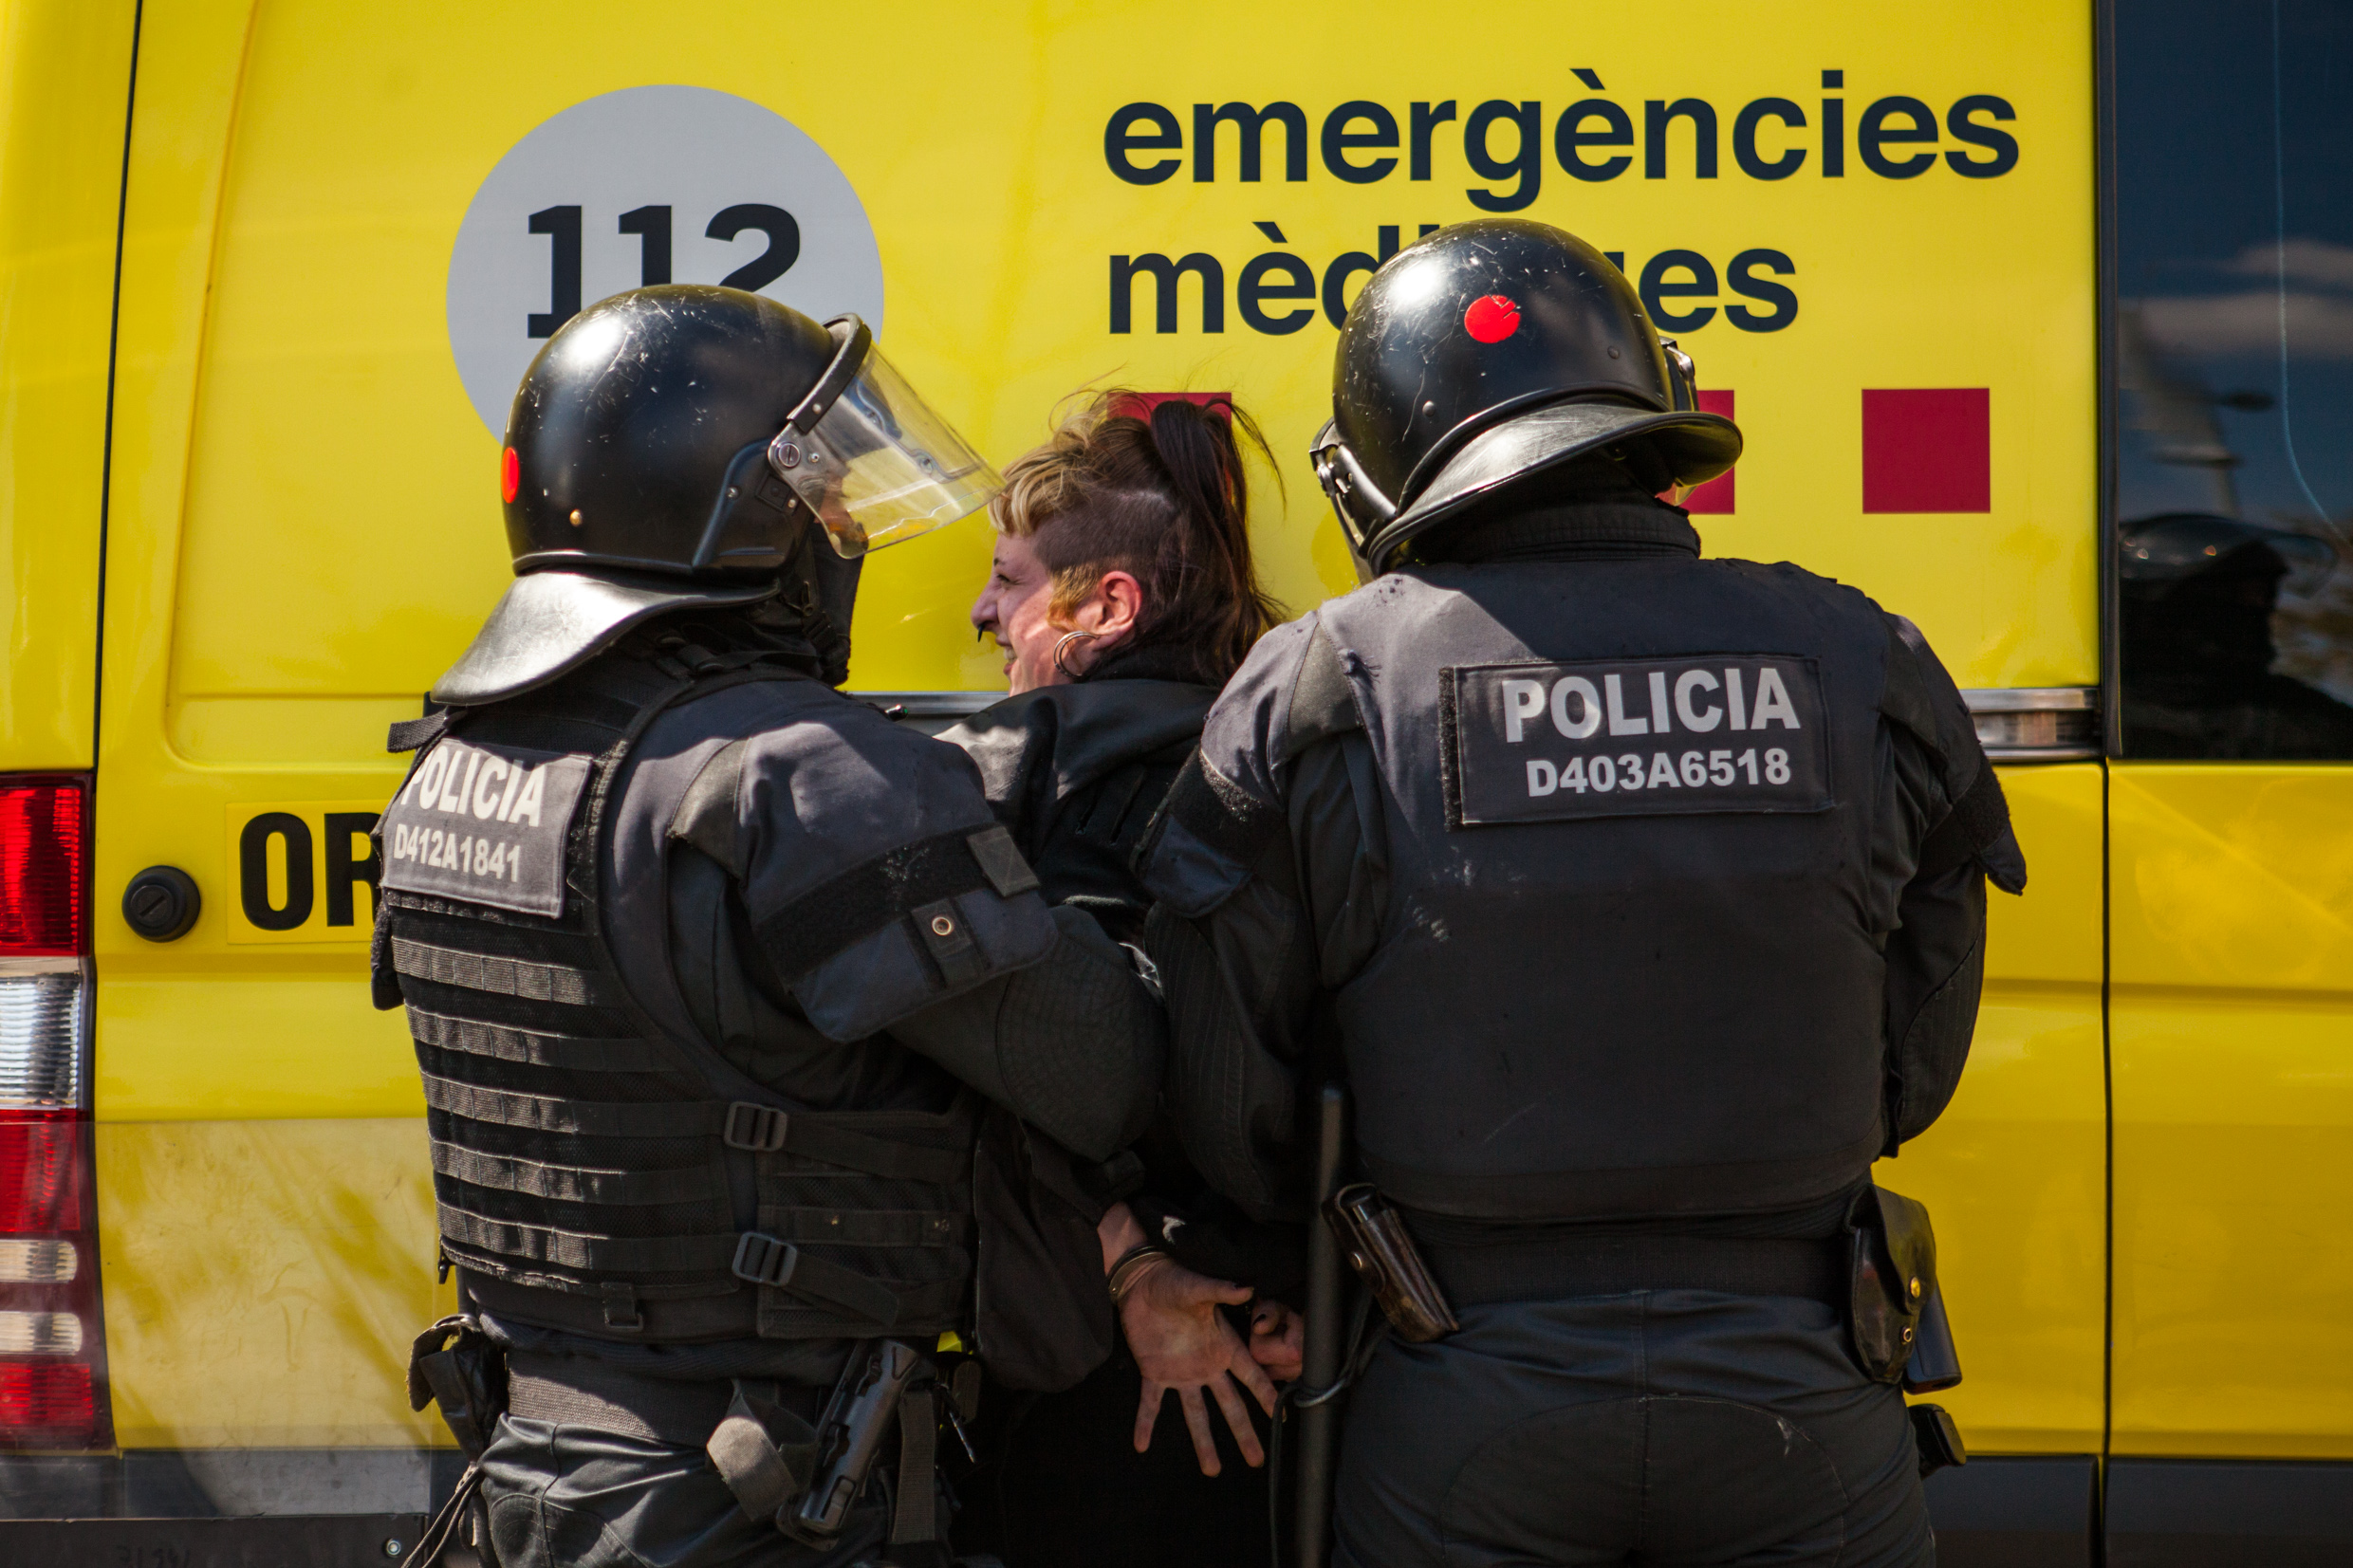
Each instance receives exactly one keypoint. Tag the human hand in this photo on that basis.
(1278, 1340)
(1181, 1341)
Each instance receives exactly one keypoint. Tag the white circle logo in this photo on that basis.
(643, 186)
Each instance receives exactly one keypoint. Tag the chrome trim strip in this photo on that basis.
(2032, 699)
(2041, 753)
(932, 704)
(2080, 702)
(9, 966)
(2037, 723)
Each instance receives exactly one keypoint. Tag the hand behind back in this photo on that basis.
(1182, 1341)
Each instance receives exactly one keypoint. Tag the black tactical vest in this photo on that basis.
(1631, 963)
(594, 1172)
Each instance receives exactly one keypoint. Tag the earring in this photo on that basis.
(1062, 647)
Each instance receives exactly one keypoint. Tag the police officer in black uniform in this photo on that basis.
(709, 967)
(1638, 897)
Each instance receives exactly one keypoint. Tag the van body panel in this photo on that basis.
(994, 233)
(2232, 1030)
(262, 1281)
(307, 533)
(303, 533)
(64, 101)
(2015, 1171)
(295, 1045)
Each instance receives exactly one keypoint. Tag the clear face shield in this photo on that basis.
(871, 459)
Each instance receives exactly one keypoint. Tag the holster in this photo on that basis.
(1372, 1238)
(1894, 1317)
(456, 1366)
(885, 1384)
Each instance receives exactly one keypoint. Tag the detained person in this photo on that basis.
(710, 969)
(1124, 595)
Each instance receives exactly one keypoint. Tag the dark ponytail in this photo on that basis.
(1154, 488)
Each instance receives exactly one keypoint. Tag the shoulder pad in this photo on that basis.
(1003, 740)
(1292, 693)
(1323, 700)
(1046, 745)
(1905, 697)
(875, 874)
(708, 817)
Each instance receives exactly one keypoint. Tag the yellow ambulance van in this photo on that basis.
(2038, 317)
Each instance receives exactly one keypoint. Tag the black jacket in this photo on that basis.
(1293, 895)
(1077, 773)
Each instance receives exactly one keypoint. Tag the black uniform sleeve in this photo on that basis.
(1272, 871)
(876, 879)
(884, 895)
(1073, 1044)
(1943, 832)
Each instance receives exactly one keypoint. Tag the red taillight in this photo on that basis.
(52, 1332)
(42, 867)
(40, 1171)
(52, 1338)
(52, 1395)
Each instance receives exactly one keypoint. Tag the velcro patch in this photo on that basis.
(485, 825)
(1546, 742)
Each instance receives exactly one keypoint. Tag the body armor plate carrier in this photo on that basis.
(592, 1172)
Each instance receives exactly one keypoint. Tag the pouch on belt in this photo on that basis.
(1896, 1318)
(1892, 1288)
(456, 1366)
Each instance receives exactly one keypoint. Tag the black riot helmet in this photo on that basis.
(1487, 353)
(668, 451)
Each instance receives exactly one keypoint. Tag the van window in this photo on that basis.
(2233, 378)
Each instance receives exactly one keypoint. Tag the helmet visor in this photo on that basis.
(880, 467)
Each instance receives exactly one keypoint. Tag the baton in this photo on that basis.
(1319, 1421)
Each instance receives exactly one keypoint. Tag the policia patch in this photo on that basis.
(1542, 742)
(485, 824)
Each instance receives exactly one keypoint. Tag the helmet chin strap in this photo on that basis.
(821, 590)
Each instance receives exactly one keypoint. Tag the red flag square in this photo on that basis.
(1716, 494)
(1927, 450)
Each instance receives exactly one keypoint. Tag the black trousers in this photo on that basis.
(561, 1496)
(1061, 1484)
(1670, 1429)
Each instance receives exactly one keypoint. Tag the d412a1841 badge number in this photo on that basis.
(485, 824)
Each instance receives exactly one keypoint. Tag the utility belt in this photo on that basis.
(792, 1457)
(1556, 1268)
(576, 1391)
(1880, 1272)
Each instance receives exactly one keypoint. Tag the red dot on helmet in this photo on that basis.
(1491, 319)
(510, 474)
